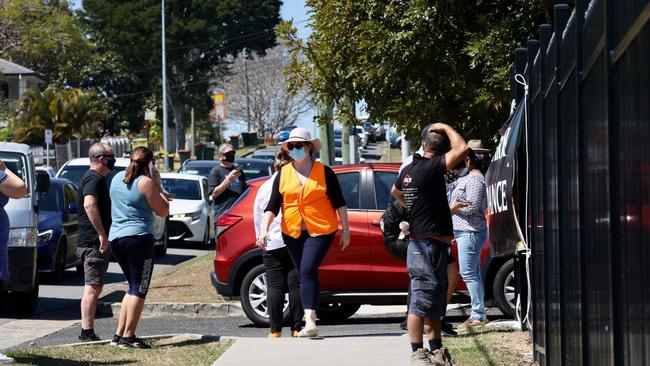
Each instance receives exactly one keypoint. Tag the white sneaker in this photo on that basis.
(4, 359)
(308, 332)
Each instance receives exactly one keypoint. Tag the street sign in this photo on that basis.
(219, 107)
(48, 136)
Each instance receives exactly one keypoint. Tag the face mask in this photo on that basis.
(298, 154)
(229, 156)
(110, 164)
(464, 172)
(151, 168)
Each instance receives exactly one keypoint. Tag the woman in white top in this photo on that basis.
(280, 271)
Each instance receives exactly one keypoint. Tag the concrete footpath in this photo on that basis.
(329, 351)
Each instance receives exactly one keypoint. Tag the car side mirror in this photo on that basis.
(72, 208)
(42, 182)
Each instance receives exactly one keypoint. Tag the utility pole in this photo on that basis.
(164, 96)
(248, 99)
(193, 135)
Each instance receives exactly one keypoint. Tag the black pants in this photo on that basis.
(307, 253)
(281, 276)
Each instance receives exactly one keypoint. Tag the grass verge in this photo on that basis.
(187, 282)
(179, 350)
(491, 348)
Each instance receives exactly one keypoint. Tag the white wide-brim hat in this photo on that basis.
(300, 134)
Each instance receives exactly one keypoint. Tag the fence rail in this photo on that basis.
(589, 182)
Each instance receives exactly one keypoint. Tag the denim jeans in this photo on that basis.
(469, 260)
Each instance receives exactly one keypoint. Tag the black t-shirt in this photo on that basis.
(223, 202)
(94, 184)
(423, 185)
(332, 184)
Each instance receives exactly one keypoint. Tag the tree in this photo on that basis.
(200, 34)
(414, 62)
(46, 37)
(272, 104)
(67, 112)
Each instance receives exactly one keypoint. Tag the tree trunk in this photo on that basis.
(179, 123)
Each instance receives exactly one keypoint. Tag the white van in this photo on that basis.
(23, 236)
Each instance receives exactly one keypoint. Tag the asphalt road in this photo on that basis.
(64, 297)
(358, 325)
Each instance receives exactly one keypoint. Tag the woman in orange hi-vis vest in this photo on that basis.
(309, 195)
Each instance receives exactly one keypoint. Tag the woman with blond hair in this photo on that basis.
(136, 195)
(310, 197)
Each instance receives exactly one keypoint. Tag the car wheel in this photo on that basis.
(25, 302)
(161, 250)
(504, 288)
(336, 312)
(58, 270)
(253, 295)
(206, 238)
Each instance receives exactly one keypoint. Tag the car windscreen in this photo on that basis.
(254, 169)
(74, 173)
(196, 170)
(51, 200)
(182, 189)
(16, 163)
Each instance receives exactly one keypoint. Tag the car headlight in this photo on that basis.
(193, 215)
(22, 237)
(45, 236)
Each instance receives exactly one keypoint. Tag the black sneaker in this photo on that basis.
(116, 340)
(92, 337)
(133, 342)
(447, 329)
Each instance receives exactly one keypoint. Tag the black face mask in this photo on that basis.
(110, 164)
(229, 156)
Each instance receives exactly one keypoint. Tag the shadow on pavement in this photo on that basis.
(37, 360)
(170, 259)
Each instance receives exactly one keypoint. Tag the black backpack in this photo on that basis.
(389, 223)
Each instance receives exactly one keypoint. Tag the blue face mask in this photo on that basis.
(298, 154)
(463, 173)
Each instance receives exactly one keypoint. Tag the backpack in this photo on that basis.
(389, 223)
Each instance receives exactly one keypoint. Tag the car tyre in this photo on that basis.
(205, 244)
(504, 288)
(336, 312)
(253, 288)
(58, 270)
(25, 302)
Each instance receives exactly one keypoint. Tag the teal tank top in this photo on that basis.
(130, 211)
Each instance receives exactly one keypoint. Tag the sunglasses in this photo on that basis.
(108, 156)
(296, 145)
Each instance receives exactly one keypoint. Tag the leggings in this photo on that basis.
(135, 256)
(307, 253)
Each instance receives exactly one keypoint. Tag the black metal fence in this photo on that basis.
(589, 183)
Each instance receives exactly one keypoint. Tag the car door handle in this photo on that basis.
(376, 223)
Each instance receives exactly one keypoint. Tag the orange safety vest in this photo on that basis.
(309, 203)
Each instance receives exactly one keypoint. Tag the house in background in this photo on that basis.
(15, 79)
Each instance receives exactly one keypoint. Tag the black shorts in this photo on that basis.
(426, 262)
(135, 255)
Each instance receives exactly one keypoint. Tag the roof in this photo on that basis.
(200, 163)
(182, 176)
(10, 68)
(14, 147)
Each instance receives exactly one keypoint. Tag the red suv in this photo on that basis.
(365, 273)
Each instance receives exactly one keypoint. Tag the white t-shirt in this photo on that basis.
(409, 159)
(261, 201)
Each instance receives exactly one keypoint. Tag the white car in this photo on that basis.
(74, 169)
(190, 213)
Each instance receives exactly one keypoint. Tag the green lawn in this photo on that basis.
(179, 350)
